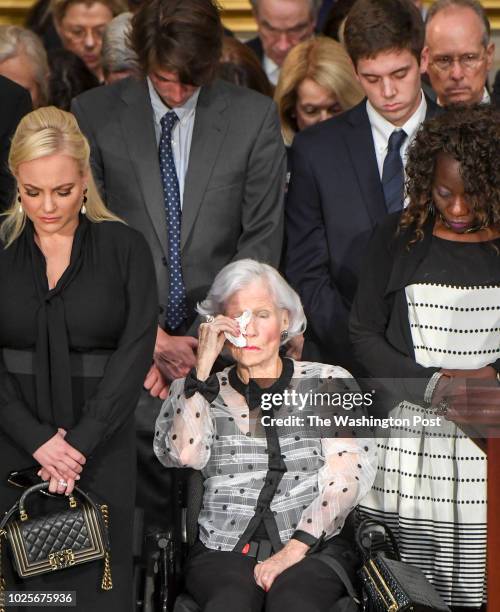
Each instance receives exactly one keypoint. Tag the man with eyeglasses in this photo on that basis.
(458, 51)
(281, 25)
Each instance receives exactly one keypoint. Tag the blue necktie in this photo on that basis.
(176, 305)
(393, 174)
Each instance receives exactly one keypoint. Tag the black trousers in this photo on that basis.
(219, 581)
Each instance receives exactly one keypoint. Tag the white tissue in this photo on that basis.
(244, 319)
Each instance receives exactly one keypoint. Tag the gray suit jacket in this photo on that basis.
(233, 196)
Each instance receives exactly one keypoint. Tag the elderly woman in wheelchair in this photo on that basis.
(276, 494)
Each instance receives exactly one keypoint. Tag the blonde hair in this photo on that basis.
(326, 62)
(15, 40)
(43, 132)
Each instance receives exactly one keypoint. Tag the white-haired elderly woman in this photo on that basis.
(273, 495)
(23, 60)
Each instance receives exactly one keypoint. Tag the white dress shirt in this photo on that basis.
(271, 69)
(382, 130)
(182, 132)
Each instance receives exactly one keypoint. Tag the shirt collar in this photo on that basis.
(272, 69)
(160, 108)
(385, 128)
(252, 392)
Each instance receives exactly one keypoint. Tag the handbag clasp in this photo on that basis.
(61, 559)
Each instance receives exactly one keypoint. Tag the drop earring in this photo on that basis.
(83, 210)
(284, 335)
(20, 210)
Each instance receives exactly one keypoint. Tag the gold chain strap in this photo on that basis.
(107, 580)
(3, 585)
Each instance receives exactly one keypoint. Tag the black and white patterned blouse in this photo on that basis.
(292, 482)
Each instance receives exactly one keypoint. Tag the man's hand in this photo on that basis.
(155, 383)
(485, 373)
(266, 573)
(453, 382)
(174, 356)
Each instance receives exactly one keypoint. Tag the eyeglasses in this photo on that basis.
(79, 34)
(467, 61)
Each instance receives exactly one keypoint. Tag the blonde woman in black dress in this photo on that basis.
(78, 313)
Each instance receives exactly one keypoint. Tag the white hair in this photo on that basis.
(15, 40)
(240, 274)
(117, 56)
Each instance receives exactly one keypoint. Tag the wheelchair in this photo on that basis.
(166, 551)
(159, 555)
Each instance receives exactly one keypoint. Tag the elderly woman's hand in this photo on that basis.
(266, 573)
(210, 342)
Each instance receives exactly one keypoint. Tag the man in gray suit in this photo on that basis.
(225, 201)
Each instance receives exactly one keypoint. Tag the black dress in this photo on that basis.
(102, 311)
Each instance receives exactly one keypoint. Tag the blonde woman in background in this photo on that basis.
(78, 317)
(317, 81)
(23, 60)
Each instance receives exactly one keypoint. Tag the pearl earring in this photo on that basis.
(83, 210)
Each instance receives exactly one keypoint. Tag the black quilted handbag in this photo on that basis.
(64, 538)
(389, 585)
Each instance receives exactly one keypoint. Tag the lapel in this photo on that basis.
(138, 131)
(210, 126)
(359, 141)
(432, 108)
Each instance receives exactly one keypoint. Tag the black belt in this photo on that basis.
(83, 365)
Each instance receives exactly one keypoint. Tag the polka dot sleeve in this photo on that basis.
(345, 478)
(184, 430)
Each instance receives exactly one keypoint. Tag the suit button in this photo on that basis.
(164, 260)
(162, 310)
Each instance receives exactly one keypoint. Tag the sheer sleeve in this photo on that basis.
(345, 478)
(184, 429)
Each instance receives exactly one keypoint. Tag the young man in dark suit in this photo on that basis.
(194, 163)
(347, 173)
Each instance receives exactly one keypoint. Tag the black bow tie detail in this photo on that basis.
(252, 392)
(208, 388)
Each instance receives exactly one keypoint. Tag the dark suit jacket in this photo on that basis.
(233, 195)
(334, 202)
(495, 94)
(16, 102)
